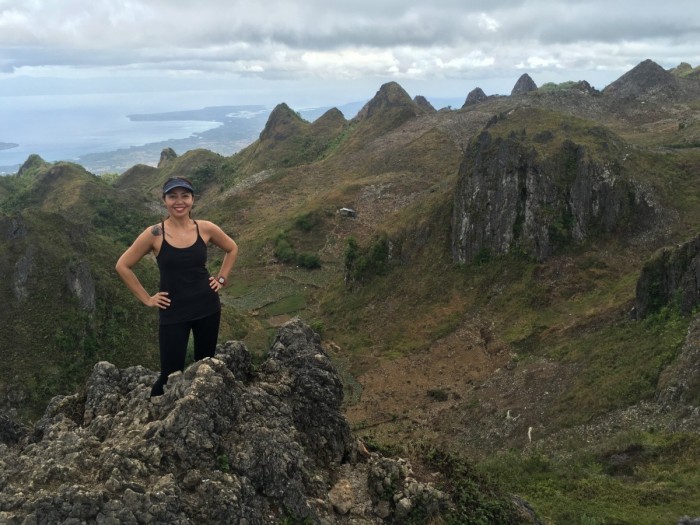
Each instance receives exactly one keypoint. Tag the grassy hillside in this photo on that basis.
(63, 306)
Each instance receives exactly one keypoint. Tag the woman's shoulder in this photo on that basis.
(206, 225)
(155, 230)
(149, 238)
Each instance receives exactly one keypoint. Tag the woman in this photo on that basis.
(188, 298)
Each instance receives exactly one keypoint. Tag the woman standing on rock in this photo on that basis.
(188, 299)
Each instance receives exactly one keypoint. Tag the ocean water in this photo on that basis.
(65, 127)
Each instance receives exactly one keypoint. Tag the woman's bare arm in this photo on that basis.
(143, 244)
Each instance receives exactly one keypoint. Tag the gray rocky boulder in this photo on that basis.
(224, 444)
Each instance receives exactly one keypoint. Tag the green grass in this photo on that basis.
(580, 320)
(635, 478)
(286, 305)
(619, 364)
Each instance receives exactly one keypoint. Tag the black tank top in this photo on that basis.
(184, 275)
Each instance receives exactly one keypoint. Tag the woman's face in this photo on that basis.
(178, 202)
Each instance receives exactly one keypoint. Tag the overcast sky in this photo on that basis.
(297, 51)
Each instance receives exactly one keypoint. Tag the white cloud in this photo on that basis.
(536, 62)
(488, 23)
(350, 63)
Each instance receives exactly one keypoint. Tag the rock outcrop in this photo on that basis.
(524, 85)
(81, 285)
(390, 97)
(646, 80)
(584, 87)
(166, 157)
(679, 383)
(671, 276)
(282, 123)
(475, 96)
(511, 197)
(225, 444)
(424, 103)
(33, 162)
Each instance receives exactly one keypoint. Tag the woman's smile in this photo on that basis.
(179, 202)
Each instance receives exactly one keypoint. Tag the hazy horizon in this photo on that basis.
(64, 127)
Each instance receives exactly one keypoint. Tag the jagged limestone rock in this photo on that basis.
(81, 285)
(224, 444)
(424, 103)
(23, 268)
(511, 197)
(13, 228)
(524, 85)
(166, 156)
(679, 383)
(391, 96)
(475, 96)
(647, 79)
(671, 275)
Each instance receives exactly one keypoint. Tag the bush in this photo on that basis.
(476, 500)
(307, 222)
(310, 261)
(283, 250)
(361, 264)
(438, 394)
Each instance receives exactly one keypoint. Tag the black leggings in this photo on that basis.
(173, 339)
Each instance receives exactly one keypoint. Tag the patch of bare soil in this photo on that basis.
(511, 409)
(402, 399)
(466, 393)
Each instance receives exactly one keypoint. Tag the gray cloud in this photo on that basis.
(338, 40)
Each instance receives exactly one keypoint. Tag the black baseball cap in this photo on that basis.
(177, 182)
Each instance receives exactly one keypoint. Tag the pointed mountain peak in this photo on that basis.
(282, 122)
(646, 78)
(475, 95)
(390, 95)
(33, 163)
(524, 85)
(333, 115)
(166, 156)
(424, 103)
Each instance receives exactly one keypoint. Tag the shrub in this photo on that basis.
(361, 264)
(476, 500)
(307, 222)
(310, 261)
(283, 250)
(438, 394)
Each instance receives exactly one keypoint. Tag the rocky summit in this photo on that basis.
(225, 444)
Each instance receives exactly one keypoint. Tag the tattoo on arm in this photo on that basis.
(156, 231)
